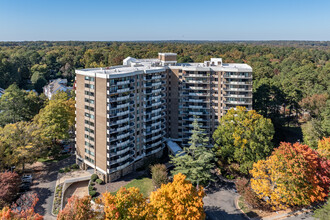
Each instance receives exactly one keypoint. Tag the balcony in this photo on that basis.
(154, 144)
(154, 151)
(196, 75)
(237, 96)
(152, 91)
(120, 114)
(122, 90)
(237, 89)
(123, 82)
(238, 83)
(154, 124)
(121, 98)
(238, 102)
(120, 106)
(153, 77)
(197, 81)
(199, 94)
(238, 76)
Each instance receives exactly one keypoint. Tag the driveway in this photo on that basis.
(219, 202)
(45, 177)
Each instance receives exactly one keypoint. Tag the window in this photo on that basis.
(89, 130)
(89, 144)
(89, 115)
(89, 137)
(89, 152)
(89, 86)
(89, 123)
(89, 78)
(89, 101)
(89, 159)
(89, 93)
(89, 108)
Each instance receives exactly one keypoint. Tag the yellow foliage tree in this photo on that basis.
(126, 204)
(323, 147)
(293, 175)
(177, 200)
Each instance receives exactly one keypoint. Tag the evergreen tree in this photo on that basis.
(195, 161)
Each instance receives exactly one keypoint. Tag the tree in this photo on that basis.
(159, 175)
(38, 81)
(243, 137)
(314, 104)
(177, 200)
(58, 117)
(323, 147)
(25, 212)
(195, 161)
(21, 143)
(19, 105)
(312, 132)
(9, 186)
(77, 208)
(126, 204)
(12, 105)
(294, 175)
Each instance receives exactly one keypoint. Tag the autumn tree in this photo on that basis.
(294, 175)
(323, 147)
(58, 117)
(77, 208)
(125, 204)
(195, 161)
(243, 137)
(21, 143)
(9, 186)
(177, 200)
(22, 213)
(159, 175)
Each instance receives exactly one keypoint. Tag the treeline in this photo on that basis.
(291, 78)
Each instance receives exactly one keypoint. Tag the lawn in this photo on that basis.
(144, 184)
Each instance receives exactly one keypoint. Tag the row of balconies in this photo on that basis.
(120, 167)
(237, 89)
(153, 91)
(153, 84)
(238, 102)
(121, 159)
(237, 96)
(238, 76)
(145, 140)
(238, 82)
(120, 98)
(198, 81)
(153, 145)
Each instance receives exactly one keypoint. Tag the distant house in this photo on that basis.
(55, 86)
(2, 91)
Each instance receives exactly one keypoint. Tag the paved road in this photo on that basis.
(219, 202)
(307, 216)
(44, 186)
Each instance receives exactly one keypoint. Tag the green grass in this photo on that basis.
(46, 160)
(144, 184)
(245, 208)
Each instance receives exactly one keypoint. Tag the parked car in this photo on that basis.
(27, 178)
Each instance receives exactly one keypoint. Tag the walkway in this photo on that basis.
(219, 202)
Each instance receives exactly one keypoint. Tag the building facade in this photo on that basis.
(123, 113)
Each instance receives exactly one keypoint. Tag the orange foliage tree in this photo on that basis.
(126, 204)
(77, 208)
(177, 200)
(25, 213)
(293, 175)
(323, 147)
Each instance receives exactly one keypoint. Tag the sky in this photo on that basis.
(138, 20)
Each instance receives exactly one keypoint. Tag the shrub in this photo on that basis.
(99, 181)
(159, 175)
(75, 166)
(94, 177)
(67, 169)
(61, 171)
(90, 188)
(92, 184)
(243, 187)
(92, 193)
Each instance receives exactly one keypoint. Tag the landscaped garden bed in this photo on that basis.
(57, 199)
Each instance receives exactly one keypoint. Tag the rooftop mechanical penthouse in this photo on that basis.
(124, 113)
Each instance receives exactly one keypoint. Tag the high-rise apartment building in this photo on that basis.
(123, 113)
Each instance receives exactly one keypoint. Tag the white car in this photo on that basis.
(27, 178)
